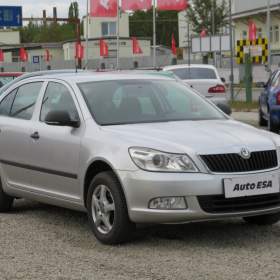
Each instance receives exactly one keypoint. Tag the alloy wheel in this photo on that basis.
(103, 209)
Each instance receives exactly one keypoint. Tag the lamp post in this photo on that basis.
(268, 36)
(231, 52)
(87, 27)
(154, 35)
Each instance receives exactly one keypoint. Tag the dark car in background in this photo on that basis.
(269, 103)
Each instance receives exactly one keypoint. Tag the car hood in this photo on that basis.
(194, 137)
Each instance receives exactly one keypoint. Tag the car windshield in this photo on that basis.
(195, 73)
(143, 101)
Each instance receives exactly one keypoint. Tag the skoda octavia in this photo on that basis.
(133, 148)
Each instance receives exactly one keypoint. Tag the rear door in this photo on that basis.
(16, 113)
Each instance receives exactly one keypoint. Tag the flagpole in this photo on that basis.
(87, 26)
(154, 34)
(118, 36)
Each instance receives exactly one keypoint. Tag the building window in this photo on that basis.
(271, 34)
(109, 28)
(244, 35)
(276, 33)
(259, 33)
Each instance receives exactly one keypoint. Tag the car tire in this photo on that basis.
(6, 201)
(262, 121)
(263, 220)
(272, 127)
(107, 210)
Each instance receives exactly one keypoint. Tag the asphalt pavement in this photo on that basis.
(45, 242)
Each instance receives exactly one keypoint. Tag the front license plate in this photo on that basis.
(251, 185)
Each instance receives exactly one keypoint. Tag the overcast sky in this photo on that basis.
(35, 7)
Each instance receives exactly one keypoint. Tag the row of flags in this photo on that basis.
(79, 50)
(109, 8)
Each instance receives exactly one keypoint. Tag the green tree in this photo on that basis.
(53, 32)
(201, 14)
(141, 25)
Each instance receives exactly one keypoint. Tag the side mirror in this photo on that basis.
(261, 85)
(225, 108)
(223, 80)
(61, 118)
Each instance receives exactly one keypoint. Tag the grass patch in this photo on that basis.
(244, 106)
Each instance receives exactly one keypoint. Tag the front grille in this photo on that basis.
(230, 163)
(220, 204)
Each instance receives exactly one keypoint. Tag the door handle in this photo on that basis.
(35, 135)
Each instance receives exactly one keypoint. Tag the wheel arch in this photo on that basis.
(95, 167)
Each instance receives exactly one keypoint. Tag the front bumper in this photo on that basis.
(141, 186)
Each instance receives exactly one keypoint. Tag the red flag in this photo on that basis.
(173, 44)
(104, 8)
(1, 56)
(134, 5)
(23, 55)
(47, 56)
(79, 54)
(136, 49)
(252, 30)
(103, 48)
(175, 5)
(203, 33)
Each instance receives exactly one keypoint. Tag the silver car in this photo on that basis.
(133, 148)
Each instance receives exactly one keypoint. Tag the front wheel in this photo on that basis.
(107, 210)
(262, 120)
(272, 126)
(266, 220)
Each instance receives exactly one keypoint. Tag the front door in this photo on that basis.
(56, 149)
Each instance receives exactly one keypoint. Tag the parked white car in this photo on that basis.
(203, 78)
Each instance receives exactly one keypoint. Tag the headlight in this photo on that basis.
(152, 160)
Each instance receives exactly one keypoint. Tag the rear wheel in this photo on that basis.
(6, 201)
(107, 210)
(269, 219)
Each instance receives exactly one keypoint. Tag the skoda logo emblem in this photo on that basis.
(245, 153)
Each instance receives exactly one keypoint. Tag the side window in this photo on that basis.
(272, 78)
(7, 102)
(25, 100)
(275, 80)
(58, 98)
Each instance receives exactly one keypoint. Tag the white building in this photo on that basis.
(8, 37)
(106, 28)
(256, 10)
(242, 12)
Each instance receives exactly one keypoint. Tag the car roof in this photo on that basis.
(25, 76)
(89, 76)
(180, 66)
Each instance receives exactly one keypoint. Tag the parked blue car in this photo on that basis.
(269, 109)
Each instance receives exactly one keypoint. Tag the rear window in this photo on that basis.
(195, 73)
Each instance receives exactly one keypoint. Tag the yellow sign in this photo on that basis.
(257, 48)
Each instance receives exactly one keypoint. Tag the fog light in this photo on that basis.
(171, 203)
